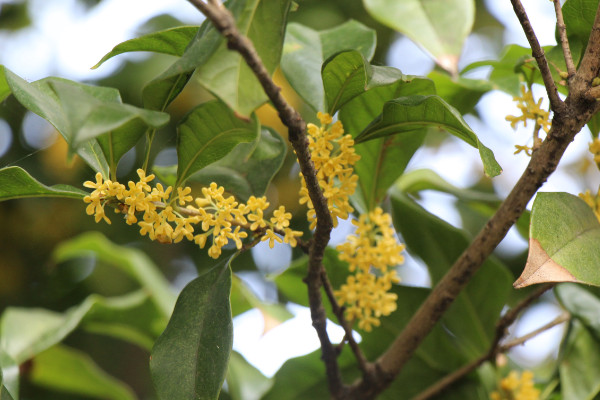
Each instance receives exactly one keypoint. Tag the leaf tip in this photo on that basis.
(540, 268)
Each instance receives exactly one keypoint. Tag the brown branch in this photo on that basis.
(224, 22)
(495, 348)
(564, 41)
(538, 53)
(520, 340)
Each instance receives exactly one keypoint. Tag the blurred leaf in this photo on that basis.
(382, 160)
(348, 74)
(462, 93)
(408, 114)
(68, 370)
(28, 331)
(9, 376)
(582, 305)
(563, 242)
(473, 315)
(79, 112)
(189, 360)
(425, 179)
(438, 26)
(207, 134)
(14, 16)
(579, 19)
(244, 382)
(226, 74)
(247, 170)
(16, 183)
(171, 41)
(244, 299)
(4, 88)
(579, 367)
(133, 262)
(305, 50)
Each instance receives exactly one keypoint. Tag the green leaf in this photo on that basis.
(563, 242)
(171, 41)
(305, 50)
(579, 20)
(133, 262)
(382, 160)
(68, 370)
(462, 93)
(79, 112)
(9, 376)
(16, 183)
(579, 368)
(438, 26)
(4, 88)
(27, 332)
(207, 134)
(473, 315)
(247, 170)
(189, 360)
(408, 114)
(92, 154)
(581, 304)
(243, 299)
(244, 382)
(348, 74)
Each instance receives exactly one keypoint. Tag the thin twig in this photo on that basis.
(538, 53)
(564, 41)
(501, 326)
(520, 340)
(224, 22)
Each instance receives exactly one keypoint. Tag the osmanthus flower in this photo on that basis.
(593, 201)
(595, 150)
(169, 215)
(372, 253)
(530, 110)
(516, 387)
(334, 157)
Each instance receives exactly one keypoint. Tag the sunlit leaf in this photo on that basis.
(581, 304)
(171, 41)
(16, 183)
(9, 376)
(133, 262)
(382, 160)
(207, 134)
(408, 114)
(189, 360)
(68, 370)
(563, 242)
(438, 26)
(305, 50)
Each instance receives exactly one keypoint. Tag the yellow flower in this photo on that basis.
(531, 110)
(593, 201)
(516, 387)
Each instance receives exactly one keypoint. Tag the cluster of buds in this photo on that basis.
(530, 110)
(515, 387)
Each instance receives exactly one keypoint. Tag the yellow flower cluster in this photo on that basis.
(333, 154)
(515, 387)
(168, 216)
(530, 110)
(595, 150)
(592, 201)
(373, 254)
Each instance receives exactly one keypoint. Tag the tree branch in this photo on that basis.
(520, 340)
(564, 42)
(538, 53)
(224, 22)
(495, 348)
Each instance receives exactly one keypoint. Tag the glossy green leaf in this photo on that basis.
(80, 112)
(244, 382)
(563, 242)
(171, 41)
(305, 50)
(581, 304)
(133, 262)
(462, 93)
(207, 134)
(473, 315)
(408, 114)
(28, 331)
(348, 74)
(246, 171)
(71, 371)
(579, 367)
(189, 360)
(16, 183)
(92, 154)
(4, 88)
(382, 160)
(438, 26)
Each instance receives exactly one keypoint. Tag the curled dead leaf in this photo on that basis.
(540, 268)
